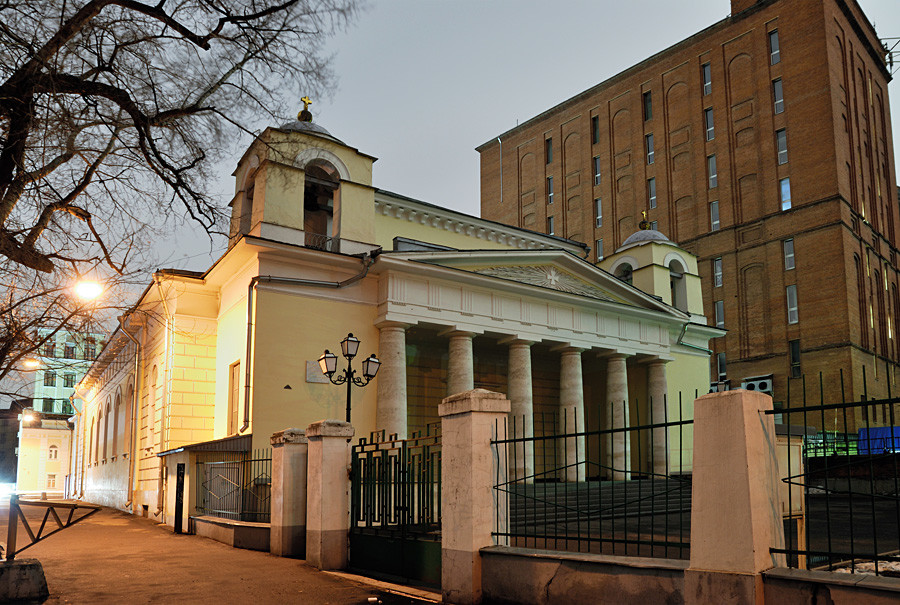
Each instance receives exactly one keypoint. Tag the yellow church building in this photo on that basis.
(220, 360)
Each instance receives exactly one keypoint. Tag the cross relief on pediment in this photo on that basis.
(549, 277)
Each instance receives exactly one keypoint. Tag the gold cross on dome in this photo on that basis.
(306, 103)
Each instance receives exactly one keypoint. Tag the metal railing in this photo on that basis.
(396, 484)
(235, 485)
(624, 491)
(849, 479)
(50, 507)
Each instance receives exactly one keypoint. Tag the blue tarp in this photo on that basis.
(879, 440)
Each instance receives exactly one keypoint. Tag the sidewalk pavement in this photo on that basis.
(115, 557)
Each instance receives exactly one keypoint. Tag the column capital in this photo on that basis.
(453, 331)
(613, 355)
(392, 324)
(657, 361)
(288, 436)
(515, 340)
(329, 428)
(567, 348)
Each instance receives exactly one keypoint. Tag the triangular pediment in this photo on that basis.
(548, 269)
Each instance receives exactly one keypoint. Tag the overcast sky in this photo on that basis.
(423, 82)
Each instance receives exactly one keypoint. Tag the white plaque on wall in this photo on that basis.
(314, 373)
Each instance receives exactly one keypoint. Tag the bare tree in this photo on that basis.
(112, 113)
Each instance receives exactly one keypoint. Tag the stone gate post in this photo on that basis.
(287, 537)
(328, 494)
(468, 421)
(735, 508)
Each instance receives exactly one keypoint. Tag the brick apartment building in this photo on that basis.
(762, 144)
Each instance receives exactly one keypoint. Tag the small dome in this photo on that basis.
(309, 128)
(646, 235)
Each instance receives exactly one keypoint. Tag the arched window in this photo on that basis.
(677, 285)
(129, 419)
(625, 272)
(116, 411)
(86, 455)
(106, 428)
(97, 436)
(151, 407)
(53, 453)
(321, 182)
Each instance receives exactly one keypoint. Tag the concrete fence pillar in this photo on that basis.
(328, 494)
(289, 466)
(468, 500)
(735, 505)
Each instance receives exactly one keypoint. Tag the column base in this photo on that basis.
(722, 588)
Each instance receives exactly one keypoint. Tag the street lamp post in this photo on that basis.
(349, 347)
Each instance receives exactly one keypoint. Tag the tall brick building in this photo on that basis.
(762, 144)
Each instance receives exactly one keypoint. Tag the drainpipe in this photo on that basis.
(72, 456)
(133, 403)
(367, 260)
(689, 345)
(166, 396)
(501, 170)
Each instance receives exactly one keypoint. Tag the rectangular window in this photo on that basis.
(648, 139)
(784, 192)
(595, 129)
(596, 163)
(778, 95)
(720, 366)
(711, 171)
(550, 226)
(781, 145)
(708, 121)
(774, 49)
(90, 351)
(599, 249)
(714, 216)
(234, 396)
(67, 408)
(47, 405)
(794, 346)
(69, 380)
(651, 192)
(51, 481)
(548, 150)
(49, 349)
(49, 379)
(549, 189)
(792, 314)
(717, 272)
(598, 212)
(720, 313)
(706, 74)
(654, 225)
(788, 254)
(70, 351)
(648, 106)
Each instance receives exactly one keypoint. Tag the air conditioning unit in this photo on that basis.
(763, 384)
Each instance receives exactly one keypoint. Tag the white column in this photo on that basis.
(521, 399)
(657, 389)
(460, 371)
(571, 408)
(328, 494)
(287, 532)
(617, 416)
(391, 413)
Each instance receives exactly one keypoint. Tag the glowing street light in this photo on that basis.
(32, 363)
(28, 417)
(349, 348)
(88, 289)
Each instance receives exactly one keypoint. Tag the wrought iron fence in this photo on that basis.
(849, 480)
(396, 483)
(235, 485)
(624, 490)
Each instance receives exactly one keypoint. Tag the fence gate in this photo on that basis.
(396, 506)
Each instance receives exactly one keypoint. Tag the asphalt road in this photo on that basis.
(114, 557)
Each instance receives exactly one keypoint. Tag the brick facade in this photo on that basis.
(842, 215)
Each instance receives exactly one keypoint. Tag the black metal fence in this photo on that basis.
(848, 481)
(235, 485)
(396, 484)
(395, 506)
(624, 490)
